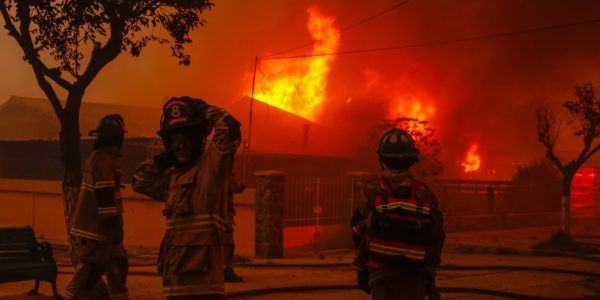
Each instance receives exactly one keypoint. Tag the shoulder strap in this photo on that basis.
(414, 187)
(385, 197)
(388, 185)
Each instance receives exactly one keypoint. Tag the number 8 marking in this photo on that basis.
(175, 111)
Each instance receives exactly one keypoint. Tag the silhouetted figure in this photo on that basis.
(399, 230)
(98, 220)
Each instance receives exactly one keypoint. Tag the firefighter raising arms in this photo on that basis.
(399, 231)
(191, 178)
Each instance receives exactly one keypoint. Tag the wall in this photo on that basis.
(38, 203)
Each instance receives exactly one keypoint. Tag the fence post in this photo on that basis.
(357, 183)
(269, 214)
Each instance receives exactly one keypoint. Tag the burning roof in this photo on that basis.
(275, 130)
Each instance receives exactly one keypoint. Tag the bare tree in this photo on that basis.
(68, 42)
(585, 118)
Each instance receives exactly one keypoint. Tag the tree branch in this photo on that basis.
(594, 150)
(101, 56)
(24, 40)
(550, 155)
(39, 68)
(51, 94)
(587, 142)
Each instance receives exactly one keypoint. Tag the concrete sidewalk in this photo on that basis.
(490, 248)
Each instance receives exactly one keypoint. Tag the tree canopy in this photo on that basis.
(82, 36)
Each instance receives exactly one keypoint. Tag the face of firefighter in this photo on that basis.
(181, 147)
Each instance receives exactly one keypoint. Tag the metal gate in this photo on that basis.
(316, 201)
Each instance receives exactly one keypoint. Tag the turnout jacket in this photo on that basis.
(362, 216)
(190, 259)
(99, 206)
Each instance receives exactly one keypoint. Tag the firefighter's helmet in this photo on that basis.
(182, 112)
(111, 125)
(397, 143)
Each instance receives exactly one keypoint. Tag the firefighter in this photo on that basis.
(234, 187)
(97, 229)
(191, 178)
(399, 231)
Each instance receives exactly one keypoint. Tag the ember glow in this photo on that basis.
(472, 160)
(298, 85)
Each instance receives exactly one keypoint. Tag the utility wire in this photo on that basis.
(446, 42)
(343, 30)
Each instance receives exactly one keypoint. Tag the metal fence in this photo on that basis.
(471, 197)
(315, 201)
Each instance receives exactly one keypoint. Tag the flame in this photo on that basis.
(472, 160)
(298, 85)
(412, 108)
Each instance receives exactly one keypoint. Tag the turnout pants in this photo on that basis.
(228, 245)
(398, 284)
(95, 258)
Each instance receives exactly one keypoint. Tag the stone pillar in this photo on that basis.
(269, 214)
(357, 183)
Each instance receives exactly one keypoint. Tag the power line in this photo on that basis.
(446, 42)
(343, 30)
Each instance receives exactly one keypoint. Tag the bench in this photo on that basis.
(23, 258)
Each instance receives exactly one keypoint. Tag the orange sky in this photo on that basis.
(483, 90)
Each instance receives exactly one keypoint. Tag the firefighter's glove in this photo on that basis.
(200, 106)
(164, 160)
(109, 223)
(362, 278)
(201, 109)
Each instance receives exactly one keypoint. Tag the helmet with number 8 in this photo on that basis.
(182, 112)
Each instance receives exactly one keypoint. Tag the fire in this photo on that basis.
(298, 85)
(472, 160)
(412, 108)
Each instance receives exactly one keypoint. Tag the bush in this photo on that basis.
(546, 181)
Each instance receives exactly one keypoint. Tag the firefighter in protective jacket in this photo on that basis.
(97, 228)
(399, 231)
(194, 177)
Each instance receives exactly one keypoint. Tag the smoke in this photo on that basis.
(483, 91)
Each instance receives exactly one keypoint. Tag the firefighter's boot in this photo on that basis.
(231, 276)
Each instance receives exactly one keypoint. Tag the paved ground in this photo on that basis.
(495, 248)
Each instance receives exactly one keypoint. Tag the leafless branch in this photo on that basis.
(548, 127)
(548, 133)
(23, 38)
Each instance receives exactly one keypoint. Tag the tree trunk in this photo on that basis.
(71, 160)
(565, 220)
